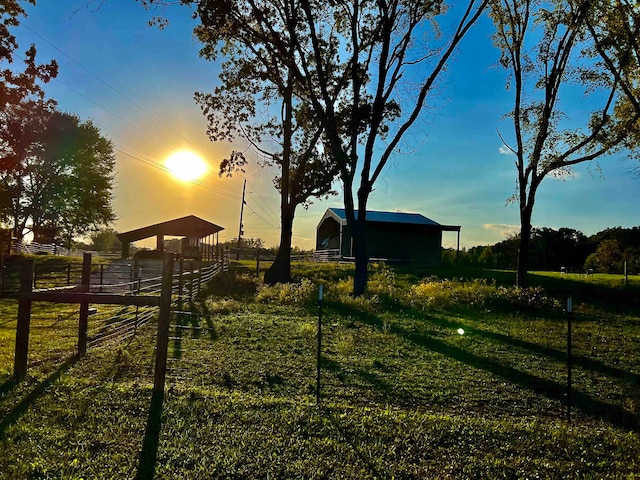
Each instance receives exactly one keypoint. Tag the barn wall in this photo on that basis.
(404, 242)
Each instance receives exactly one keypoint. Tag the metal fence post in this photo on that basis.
(199, 266)
(569, 355)
(180, 281)
(192, 277)
(319, 352)
(2, 275)
(35, 276)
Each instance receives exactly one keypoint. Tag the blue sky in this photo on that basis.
(137, 84)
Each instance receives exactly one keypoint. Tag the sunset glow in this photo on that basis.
(186, 166)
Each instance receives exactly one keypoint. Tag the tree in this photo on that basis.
(282, 133)
(361, 68)
(606, 259)
(545, 143)
(65, 181)
(26, 129)
(615, 30)
(105, 240)
(21, 91)
(363, 101)
(552, 249)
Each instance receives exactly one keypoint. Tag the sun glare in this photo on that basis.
(186, 166)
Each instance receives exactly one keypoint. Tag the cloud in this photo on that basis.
(505, 151)
(505, 229)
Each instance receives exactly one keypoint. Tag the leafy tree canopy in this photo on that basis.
(65, 180)
(20, 87)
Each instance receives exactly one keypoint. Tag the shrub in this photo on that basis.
(382, 281)
(477, 293)
(230, 285)
(222, 306)
(301, 293)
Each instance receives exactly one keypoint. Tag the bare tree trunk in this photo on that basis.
(361, 274)
(360, 252)
(524, 247)
(280, 269)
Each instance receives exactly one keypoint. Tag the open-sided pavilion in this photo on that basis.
(196, 232)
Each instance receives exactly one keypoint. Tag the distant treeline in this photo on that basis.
(604, 252)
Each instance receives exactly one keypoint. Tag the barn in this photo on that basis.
(392, 236)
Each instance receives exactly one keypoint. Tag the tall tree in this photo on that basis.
(20, 87)
(362, 67)
(65, 181)
(256, 102)
(547, 51)
(394, 53)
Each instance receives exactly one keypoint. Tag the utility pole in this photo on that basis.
(240, 232)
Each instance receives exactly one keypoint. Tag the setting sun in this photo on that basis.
(186, 165)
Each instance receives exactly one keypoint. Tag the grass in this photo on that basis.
(403, 394)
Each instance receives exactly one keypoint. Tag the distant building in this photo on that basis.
(198, 242)
(392, 236)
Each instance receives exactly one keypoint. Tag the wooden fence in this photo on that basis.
(150, 292)
(35, 248)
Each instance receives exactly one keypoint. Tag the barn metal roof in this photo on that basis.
(395, 217)
(189, 226)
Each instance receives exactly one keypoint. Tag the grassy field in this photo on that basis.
(405, 393)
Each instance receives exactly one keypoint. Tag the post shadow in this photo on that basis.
(21, 408)
(149, 452)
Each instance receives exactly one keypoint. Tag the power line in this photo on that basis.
(258, 215)
(141, 158)
(264, 205)
(97, 77)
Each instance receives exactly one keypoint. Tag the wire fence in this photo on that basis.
(105, 323)
(113, 324)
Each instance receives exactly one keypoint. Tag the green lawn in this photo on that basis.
(404, 395)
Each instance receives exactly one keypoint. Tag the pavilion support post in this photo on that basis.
(180, 282)
(199, 267)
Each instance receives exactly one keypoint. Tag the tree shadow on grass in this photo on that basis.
(7, 386)
(21, 408)
(553, 353)
(149, 452)
(587, 405)
(360, 450)
(377, 383)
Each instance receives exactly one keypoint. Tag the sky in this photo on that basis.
(137, 83)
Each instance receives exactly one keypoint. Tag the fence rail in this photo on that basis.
(327, 256)
(35, 248)
(136, 302)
